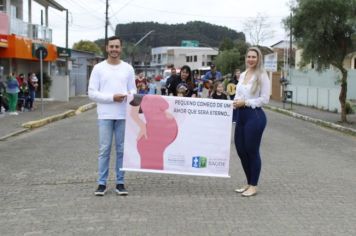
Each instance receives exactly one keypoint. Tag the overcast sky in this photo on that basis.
(87, 17)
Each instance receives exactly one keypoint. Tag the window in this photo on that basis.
(2, 5)
(195, 58)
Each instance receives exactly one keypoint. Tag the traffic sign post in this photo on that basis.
(41, 53)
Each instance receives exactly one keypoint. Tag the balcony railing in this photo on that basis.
(19, 27)
(42, 32)
(32, 31)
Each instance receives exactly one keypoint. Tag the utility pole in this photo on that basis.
(106, 25)
(290, 48)
(41, 17)
(67, 73)
(106, 21)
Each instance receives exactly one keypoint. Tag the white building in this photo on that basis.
(194, 57)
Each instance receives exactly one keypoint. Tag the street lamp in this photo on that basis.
(139, 41)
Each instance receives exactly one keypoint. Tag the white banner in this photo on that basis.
(178, 135)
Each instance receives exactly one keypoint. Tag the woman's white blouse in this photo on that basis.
(261, 97)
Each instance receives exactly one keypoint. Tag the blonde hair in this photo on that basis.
(258, 70)
(216, 85)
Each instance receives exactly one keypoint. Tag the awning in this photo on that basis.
(51, 3)
(23, 48)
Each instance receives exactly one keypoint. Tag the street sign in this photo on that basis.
(270, 62)
(190, 43)
(64, 52)
(40, 50)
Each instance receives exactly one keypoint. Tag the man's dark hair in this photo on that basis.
(113, 38)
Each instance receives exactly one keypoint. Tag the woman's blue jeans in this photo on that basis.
(108, 129)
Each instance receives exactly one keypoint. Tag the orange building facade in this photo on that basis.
(17, 47)
(19, 39)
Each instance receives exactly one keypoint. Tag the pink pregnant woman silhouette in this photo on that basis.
(159, 131)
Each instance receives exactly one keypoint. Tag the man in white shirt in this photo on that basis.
(110, 82)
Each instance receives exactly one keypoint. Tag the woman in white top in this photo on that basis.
(252, 92)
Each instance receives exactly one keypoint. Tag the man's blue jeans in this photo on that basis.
(107, 129)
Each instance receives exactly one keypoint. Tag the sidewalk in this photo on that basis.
(326, 118)
(54, 110)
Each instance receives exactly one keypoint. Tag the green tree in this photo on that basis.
(242, 47)
(226, 44)
(173, 34)
(101, 44)
(227, 61)
(324, 30)
(129, 52)
(88, 46)
(232, 57)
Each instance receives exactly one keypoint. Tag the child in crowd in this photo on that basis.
(140, 79)
(218, 91)
(142, 88)
(182, 90)
(152, 88)
(198, 84)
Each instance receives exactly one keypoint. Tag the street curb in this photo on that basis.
(41, 122)
(85, 107)
(50, 119)
(313, 120)
(47, 120)
(17, 132)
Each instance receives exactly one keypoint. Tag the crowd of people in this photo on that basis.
(190, 84)
(17, 93)
(113, 79)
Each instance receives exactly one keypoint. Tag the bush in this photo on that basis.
(349, 109)
(47, 83)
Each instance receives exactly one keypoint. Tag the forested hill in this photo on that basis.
(172, 35)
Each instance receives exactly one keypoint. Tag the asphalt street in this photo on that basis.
(307, 187)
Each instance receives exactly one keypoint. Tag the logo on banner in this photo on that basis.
(199, 162)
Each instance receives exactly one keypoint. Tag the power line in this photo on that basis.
(77, 25)
(85, 5)
(113, 15)
(127, 3)
(77, 4)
